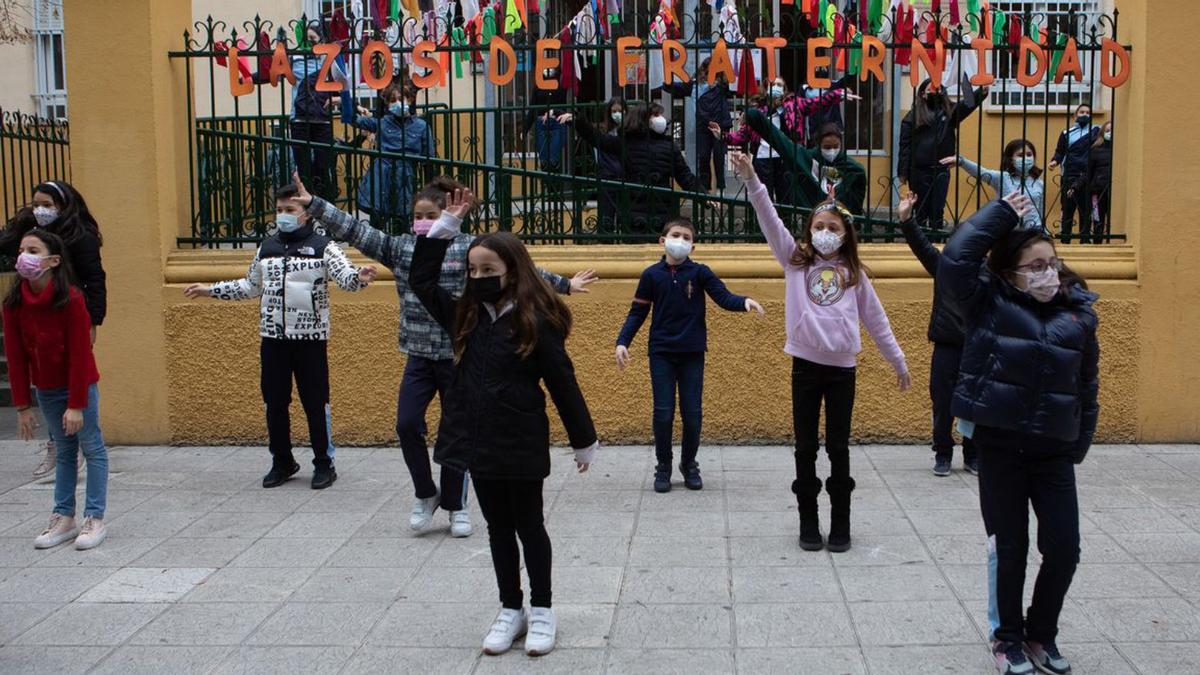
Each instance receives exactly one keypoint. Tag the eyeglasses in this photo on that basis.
(1038, 266)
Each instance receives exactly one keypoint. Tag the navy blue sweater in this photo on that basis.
(677, 296)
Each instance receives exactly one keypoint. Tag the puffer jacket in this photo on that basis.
(291, 273)
(1027, 366)
(945, 325)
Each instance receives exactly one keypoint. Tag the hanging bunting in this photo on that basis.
(458, 39)
(955, 17)
(999, 27)
(513, 16)
(875, 16)
(1060, 44)
(487, 26)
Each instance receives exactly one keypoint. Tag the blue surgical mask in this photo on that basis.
(287, 222)
(1023, 165)
(399, 108)
(776, 91)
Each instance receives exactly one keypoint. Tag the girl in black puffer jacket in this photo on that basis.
(509, 330)
(1027, 395)
(650, 157)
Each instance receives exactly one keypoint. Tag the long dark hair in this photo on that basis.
(73, 223)
(609, 124)
(435, 191)
(804, 255)
(1007, 165)
(924, 114)
(637, 119)
(534, 301)
(1100, 136)
(1002, 259)
(61, 276)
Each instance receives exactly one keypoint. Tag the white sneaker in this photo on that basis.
(460, 523)
(542, 631)
(422, 512)
(510, 624)
(49, 461)
(61, 528)
(91, 534)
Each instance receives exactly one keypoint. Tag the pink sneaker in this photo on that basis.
(91, 534)
(61, 528)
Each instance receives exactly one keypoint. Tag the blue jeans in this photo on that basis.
(550, 137)
(53, 404)
(685, 371)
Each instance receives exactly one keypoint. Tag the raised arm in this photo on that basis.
(373, 243)
(960, 276)
(992, 178)
(367, 123)
(963, 110)
(241, 289)
(781, 241)
(423, 280)
(774, 136)
(605, 142)
(919, 244)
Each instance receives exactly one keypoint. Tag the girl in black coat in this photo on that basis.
(1097, 181)
(1027, 395)
(509, 331)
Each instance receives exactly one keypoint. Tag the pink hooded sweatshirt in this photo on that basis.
(822, 315)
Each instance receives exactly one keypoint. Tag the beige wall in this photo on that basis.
(17, 78)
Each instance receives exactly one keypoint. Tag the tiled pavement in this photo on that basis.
(204, 571)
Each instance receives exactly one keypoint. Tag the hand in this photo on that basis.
(26, 423)
(904, 381)
(983, 91)
(752, 306)
(622, 356)
(566, 118)
(1020, 202)
(1052, 165)
(93, 331)
(303, 198)
(366, 274)
(72, 421)
(743, 166)
(581, 280)
(582, 467)
(950, 161)
(715, 129)
(1071, 192)
(460, 202)
(198, 291)
(907, 203)
(363, 111)
(852, 97)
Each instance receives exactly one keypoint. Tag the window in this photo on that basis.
(1055, 18)
(50, 83)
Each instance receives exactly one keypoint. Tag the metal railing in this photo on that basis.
(32, 150)
(244, 147)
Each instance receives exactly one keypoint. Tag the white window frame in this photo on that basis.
(49, 99)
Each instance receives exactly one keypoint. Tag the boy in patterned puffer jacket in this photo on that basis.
(291, 272)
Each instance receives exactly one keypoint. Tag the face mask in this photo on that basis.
(776, 91)
(399, 108)
(1083, 120)
(1108, 136)
(422, 226)
(830, 154)
(827, 243)
(658, 125)
(618, 117)
(933, 98)
(287, 222)
(44, 215)
(1044, 285)
(486, 289)
(1023, 164)
(678, 248)
(29, 266)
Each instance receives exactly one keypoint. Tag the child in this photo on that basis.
(1072, 152)
(1030, 424)
(291, 271)
(430, 359)
(509, 331)
(828, 293)
(818, 172)
(1018, 173)
(46, 338)
(946, 334)
(1097, 182)
(675, 288)
(386, 190)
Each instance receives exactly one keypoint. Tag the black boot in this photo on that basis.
(323, 474)
(691, 475)
(662, 477)
(280, 472)
(839, 490)
(806, 491)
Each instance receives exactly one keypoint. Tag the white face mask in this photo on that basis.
(1023, 164)
(678, 248)
(830, 154)
(826, 242)
(618, 116)
(1108, 135)
(44, 215)
(1044, 285)
(658, 124)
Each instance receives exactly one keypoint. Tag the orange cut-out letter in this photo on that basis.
(1030, 48)
(330, 51)
(626, 58)
(934, 64)
(1069, 63)
(983, 78)
(873, 53)
(238, 85)
(422, 61)
(771, 47)
(373, 49)
(499, 47)
(674, 58)
(1107, 78)
(545, 61)
(281, 66)
(721, 63)
(821, 61)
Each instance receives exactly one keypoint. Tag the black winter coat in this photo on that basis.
(1098, 179)
(494, 420)
(1027, 366)
(648, 159)
(922, 149)
(84, 256)
(945, 324)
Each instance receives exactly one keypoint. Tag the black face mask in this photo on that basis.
(933, 98)
(486, 289)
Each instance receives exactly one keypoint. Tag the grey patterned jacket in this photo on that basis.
(420, 334)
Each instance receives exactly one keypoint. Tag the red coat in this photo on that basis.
(49, 348)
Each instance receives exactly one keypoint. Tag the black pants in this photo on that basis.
(710, 159)
(513, 509)
(1101, 228)
(1016, 470)
(932, 186)
(315, 164)
(812, 383)
(943, 377)
(423, 378)
(1077, 200)
(306, 360)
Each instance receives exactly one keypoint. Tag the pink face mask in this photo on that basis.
(29, 266)
(422, 226)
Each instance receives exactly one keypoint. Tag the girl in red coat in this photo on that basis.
(48, 342)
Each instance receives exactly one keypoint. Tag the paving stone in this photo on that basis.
(142, 660)
(318, 624)
(639, 626)
(806, 624)
(205, 624)
(147, 584)
(91, 624)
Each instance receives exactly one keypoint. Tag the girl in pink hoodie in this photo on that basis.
(828, 293)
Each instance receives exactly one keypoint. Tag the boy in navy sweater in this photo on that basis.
(675, 288)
